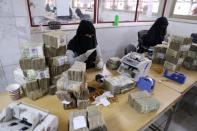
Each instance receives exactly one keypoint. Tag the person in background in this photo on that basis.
(155, 34)
(84, 47)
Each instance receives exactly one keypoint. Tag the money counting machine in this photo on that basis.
(135, 65)
(21, 117)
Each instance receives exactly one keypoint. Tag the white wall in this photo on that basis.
(181, 28)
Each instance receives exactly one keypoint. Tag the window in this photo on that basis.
(98, 11)
(125, 9)
(186, 9)
(64, 11)
(149, 10)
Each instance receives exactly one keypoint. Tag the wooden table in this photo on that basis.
(156, 72)
(119, 116)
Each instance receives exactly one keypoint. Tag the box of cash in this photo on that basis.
(32, 50)
(143, 102)
(57, 70)
(36, 88)
(146, 105)
(77, 72)
(95, 119)
(57, 61)
(159, 54)
(137, 95)
(67, 99)
(35, 63)
(118, 83)
(171, 66)
(55, 39)
(113, 63)
(83, 104)
(36, 74)
(190, 63)
(180, 43)
(53, 52)
(91, 118)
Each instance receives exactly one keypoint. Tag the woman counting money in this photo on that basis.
(83, 46)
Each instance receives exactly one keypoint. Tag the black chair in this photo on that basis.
(141, 43)
(194, 37)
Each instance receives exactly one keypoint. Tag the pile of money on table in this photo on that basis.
(177, 51)
(190, 61)
(35, 71)
(87, 120)
(143, 102)
(159, 53)
(113, 63)
(118, 84)
(72, 87)
(55, 46)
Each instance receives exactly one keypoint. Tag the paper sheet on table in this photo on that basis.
(79, 122)
(102, 99)
(66, 102)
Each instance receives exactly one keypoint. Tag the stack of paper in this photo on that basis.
(113, 63)
(143, 102)
(118, 84)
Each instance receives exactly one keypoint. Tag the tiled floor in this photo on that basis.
(181, 121)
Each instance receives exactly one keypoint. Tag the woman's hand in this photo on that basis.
(100, 64)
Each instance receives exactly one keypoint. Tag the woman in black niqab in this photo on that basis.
(84, 41)
(157, 32)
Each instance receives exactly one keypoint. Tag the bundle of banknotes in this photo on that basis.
(32, 50)
(143, 102)
(77, 72)
(159, 53)
(55, 39)
(35, 89)
(53, 52)
(118, 84)
(66, 98)
(91, 118)
(36, 74)
(57, 61)
(58, 70)
(113, 63)
(177, 51)
(190, 62)
(34, 63)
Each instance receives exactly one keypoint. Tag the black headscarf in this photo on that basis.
(81, 43)
(157, 32)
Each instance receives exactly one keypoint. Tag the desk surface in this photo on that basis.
(156, 72)
(119, 116)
